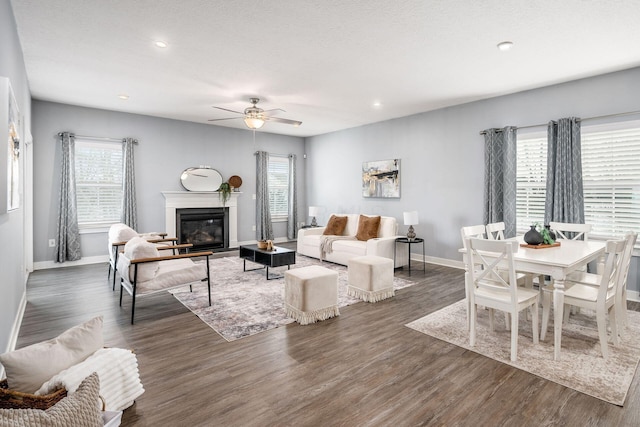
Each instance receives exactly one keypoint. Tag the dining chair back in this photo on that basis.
(570, 231)
(621, 293)
(495, 286)
(495, 231)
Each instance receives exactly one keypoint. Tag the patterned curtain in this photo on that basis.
(264, 229)
(68, 235)
(565, 197)
(292, 219)
(129, 214)
(500, 159)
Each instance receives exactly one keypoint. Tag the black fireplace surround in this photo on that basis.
(204, 228)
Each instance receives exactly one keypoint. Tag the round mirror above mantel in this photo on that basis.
(200, 179)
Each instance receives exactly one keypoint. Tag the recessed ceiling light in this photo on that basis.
(377, 104)
(504, 46)
(161, 44)
(123, 96)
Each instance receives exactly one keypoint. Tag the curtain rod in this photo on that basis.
(275, 154)
(98, 138)
(587, 118)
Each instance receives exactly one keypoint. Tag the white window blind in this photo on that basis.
(531, 180)
(611, 179)
(98, 167)
(610, 172)
(279, 187)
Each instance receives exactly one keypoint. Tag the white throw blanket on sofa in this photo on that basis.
(326, 243)
(117, 369)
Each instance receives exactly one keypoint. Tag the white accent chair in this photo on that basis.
(120, 234)
(491, 289)
(144, 271)
(581, 231)
(600, 298)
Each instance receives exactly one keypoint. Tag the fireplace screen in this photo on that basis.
(204, 228)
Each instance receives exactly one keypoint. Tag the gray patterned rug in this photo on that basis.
(581, 367)
(245, 303)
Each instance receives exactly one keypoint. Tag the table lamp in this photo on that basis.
(313, 211)
(411, 219)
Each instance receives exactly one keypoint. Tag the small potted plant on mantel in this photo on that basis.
(224, 192)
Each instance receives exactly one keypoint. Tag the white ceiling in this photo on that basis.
(323, 61)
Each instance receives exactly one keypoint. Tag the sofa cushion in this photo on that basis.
(29, 367)
(335, 226)
(80, 409)
(368, 227)
(121, 233)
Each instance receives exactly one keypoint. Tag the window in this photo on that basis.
(279, 187)
(98, 168)
(610, 172)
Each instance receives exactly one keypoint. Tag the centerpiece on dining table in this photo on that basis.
(540, 237)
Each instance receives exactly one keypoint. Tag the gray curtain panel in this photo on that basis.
(564, 200)
(292, 219)
(264, 229)
(129, 214)
(68, 235)
(500, 160)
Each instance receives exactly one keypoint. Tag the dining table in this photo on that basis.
(557, 262)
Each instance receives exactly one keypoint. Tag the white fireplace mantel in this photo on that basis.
(200, 199)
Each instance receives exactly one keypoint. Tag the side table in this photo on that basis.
(410, 242)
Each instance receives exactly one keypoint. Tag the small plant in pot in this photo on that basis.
(224, 192)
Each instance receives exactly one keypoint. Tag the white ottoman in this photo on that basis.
(311, 294)
(370, 278)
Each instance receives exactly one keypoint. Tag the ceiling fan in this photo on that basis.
(255, 117)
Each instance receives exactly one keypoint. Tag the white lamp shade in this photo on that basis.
(314, 210)
(410, 218)
(253, 122)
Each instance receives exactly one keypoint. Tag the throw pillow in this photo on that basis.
(137, 248)
(121, 233)
(29, 367)
(80, 409)
(335, 226)
(368, 227)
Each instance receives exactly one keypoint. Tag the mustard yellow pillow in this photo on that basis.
(335, 226)
(368, 227)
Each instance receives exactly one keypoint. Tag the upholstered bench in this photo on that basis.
(311, 294)
(370, 278)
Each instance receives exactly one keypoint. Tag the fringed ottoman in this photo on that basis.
(311, 294)
(370, 278)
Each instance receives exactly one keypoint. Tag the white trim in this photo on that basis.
(43, 265)
(15, 329)
(437, 261)
(633, 296)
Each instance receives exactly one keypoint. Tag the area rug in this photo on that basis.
(581, 367)
(245, 303)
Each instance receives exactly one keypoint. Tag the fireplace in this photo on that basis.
(204, 228)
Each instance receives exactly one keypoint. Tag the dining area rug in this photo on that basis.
(581, 366)
(245, 303)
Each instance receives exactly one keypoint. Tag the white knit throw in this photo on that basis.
(326, 244)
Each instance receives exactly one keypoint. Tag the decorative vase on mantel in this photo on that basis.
(533, 237)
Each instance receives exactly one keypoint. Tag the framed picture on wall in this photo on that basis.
(381, 178)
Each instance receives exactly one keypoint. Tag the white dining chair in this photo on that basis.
(477, 231)
(579, 231)
(495, 231)
(491, 289)
(600, 298)
(621, 295)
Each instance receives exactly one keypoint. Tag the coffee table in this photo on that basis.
(277, 257)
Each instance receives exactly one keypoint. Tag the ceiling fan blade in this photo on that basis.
(285, 121)
(227, 118)
(231, 111)
(275, 111)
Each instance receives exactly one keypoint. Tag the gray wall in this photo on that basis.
(12, 229)
(166, 147)
(442, 156)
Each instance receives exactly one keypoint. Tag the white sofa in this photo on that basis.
(309, 240)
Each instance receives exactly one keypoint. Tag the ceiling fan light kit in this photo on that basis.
(253, 122)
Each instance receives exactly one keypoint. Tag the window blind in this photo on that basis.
(278, 187)
(98, 167)
(531, 180)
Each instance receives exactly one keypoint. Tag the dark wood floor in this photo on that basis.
(363, 368)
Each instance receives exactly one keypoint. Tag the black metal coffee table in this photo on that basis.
(277, 257)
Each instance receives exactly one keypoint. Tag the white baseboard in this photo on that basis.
(43, 265)
(633, 296)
